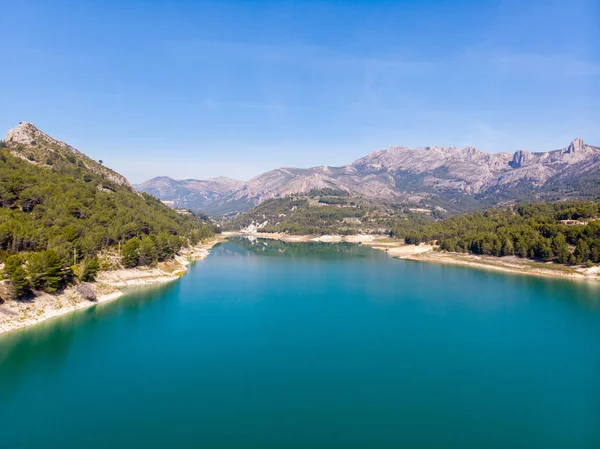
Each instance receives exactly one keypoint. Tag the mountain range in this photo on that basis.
(452, 178)
(194, 194)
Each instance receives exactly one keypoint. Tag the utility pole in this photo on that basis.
(74, 256)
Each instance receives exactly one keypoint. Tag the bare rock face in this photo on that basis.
(522, 158)
(27, 134)
(28, 142)
(576, 146)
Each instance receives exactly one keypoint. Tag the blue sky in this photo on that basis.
(194, 89)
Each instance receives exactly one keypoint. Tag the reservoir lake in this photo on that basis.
(266, 344)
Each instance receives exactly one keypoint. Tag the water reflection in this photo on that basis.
(278, 248)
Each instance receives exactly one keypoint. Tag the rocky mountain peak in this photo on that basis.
(28, 142)
(28, 135)
(576, 146)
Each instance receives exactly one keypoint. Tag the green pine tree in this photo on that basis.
(46, 271)
(11, 264)
(130, 253)
(582, 251)
(560, 248)
(147, 254)
(54, 271)
(19, 283)
(508, 248)
(37, 270)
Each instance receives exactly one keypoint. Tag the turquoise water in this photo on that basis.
(269, 345)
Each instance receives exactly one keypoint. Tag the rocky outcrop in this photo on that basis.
(522, 158)
(576, 146)
(28, 142)
(26, 134)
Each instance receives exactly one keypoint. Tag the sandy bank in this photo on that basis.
(403, 251)
(510, 264)
(19, 314)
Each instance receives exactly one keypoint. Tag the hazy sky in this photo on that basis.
(195, 89)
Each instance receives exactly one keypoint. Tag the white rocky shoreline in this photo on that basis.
(16, 315)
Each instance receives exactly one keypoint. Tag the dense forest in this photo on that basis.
(56, 216)
(565, 232)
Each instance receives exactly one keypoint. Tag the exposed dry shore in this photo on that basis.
(19, 314)
(510, 264)
(361, 238)
(425, 253)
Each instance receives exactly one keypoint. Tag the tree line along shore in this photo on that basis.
(564, 234)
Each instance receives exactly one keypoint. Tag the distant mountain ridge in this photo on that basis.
(192, 194)
(449, 177)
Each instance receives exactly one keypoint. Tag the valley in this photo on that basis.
(428, 204)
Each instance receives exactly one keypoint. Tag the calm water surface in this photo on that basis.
(269, 345)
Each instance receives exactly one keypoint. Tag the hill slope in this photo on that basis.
(57, 202)
(325, 211)
(28, 142)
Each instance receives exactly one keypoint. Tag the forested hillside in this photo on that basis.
(324, 211)
(57, 214)
(565, 232)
